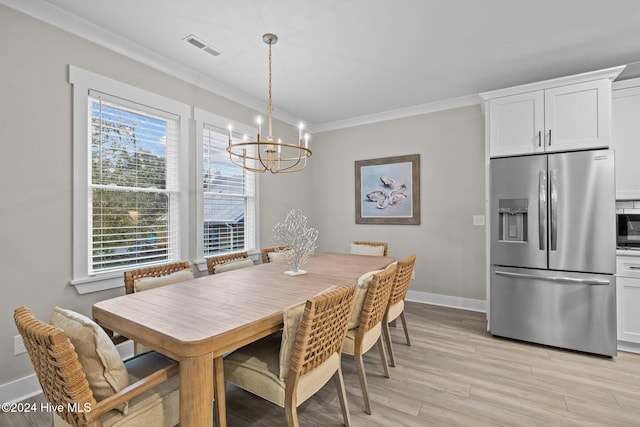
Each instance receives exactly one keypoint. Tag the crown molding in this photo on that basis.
(65, 21)
(400, 113)
(607, 73)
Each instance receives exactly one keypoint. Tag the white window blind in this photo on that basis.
(133, 185)
(228, 197)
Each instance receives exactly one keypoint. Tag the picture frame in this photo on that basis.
(387, 190)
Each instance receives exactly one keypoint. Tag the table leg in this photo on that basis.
(196, 391)
(221, 407)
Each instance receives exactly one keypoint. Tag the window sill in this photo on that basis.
(98, 283)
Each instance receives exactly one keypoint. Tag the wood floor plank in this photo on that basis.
(456, 374)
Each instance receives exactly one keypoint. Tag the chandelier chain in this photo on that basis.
(270, 106)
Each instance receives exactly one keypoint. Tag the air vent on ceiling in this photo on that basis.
(200, 44)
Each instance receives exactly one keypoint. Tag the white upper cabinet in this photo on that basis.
(516, 124)
(564, 114)
(626, 138)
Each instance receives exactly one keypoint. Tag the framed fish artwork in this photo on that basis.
(388, 190)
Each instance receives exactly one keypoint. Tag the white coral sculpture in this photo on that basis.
(300, 240)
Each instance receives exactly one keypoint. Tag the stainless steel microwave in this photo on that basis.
(628, 231)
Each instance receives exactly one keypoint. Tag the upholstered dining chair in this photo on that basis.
(142, 279)
(365, 326)
(395, 309)
(273, 254)
(80, 371)
(228, 262)
(360, 247)
(158, 275)
(289, 367)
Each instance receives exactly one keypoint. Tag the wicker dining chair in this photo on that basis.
(152, 393)
(154, 271)
(395, 309)
(360, 247)
(235, 260)
(179, 270)
(289, 367)
(366, 323)
(268, 252)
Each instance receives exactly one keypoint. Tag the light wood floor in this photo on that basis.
(455, 374)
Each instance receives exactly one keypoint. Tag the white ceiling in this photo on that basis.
(340, 61)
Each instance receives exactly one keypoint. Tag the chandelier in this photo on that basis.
(271, 154)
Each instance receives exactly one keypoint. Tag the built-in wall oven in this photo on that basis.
(628, 231)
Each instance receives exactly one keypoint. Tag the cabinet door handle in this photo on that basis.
(539, 138)
(549, 137)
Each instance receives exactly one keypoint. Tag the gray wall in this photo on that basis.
(450, 250)
(36, 167)
(36, 179)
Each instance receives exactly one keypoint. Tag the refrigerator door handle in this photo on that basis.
(553, 202)
(560, 279)
(542, 208)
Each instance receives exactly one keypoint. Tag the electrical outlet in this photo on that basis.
(18, 345)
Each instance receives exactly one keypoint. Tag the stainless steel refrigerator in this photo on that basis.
(553, 250)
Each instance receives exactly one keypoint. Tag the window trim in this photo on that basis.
(201, 118)
(82, 81)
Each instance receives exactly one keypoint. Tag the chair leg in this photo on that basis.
(362, 376)
(386, 333)
(342, 396)
(383, 358)
(291, 413)
(406, 330)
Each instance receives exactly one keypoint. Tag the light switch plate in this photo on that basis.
(478, 220)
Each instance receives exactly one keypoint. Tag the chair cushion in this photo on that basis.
(367, 249)
(395, 310)
(369, 339)
(361, 295)
(97, 354)
(277, 257)
(156, 407)
(233, 265)
(291, 318)
(146, 283)
(255, 368)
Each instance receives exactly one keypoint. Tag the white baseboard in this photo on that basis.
(629, 347)
(26, 387)
(20, 389)
(448, 301)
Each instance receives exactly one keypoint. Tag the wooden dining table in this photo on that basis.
(197, 321)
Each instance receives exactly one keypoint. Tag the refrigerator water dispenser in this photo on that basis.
(513, 220)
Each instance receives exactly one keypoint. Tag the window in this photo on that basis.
(133, 184)
(129, 180)
(226, 203)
